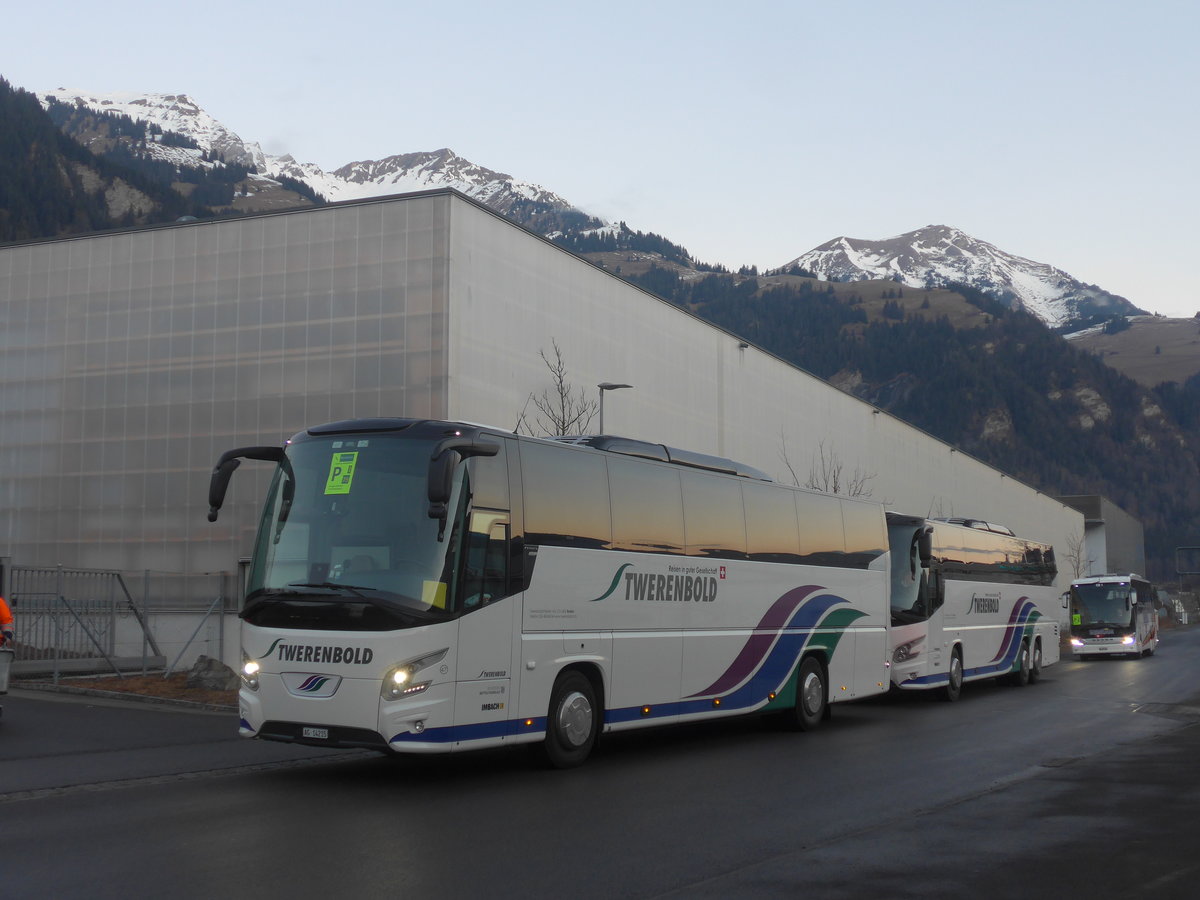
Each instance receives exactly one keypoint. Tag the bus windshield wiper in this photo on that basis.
(356, 590)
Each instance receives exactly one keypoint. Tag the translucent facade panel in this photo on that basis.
(132, 361)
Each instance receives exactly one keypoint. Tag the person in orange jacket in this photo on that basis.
(6, 623)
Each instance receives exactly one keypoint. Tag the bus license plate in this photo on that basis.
(320, 734)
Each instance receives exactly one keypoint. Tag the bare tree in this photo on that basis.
(561, 408)
(1076, 555)
(827, 473)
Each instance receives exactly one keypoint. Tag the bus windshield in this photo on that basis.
(346, 540)
(1101, 604)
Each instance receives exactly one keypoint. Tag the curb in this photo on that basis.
(121, 695)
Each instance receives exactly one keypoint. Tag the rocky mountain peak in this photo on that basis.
(939, 255)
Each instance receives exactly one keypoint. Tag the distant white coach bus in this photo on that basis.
(1114, 615)
(424, 586)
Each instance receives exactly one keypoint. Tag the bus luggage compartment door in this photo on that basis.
(483, 693)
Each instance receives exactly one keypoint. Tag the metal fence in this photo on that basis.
(95, 620)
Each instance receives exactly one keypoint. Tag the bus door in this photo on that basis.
(486, 622)
(943, 625)
(1145, 617)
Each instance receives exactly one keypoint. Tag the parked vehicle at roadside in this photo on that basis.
(1115, 614)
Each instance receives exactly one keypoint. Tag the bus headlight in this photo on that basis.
(1129, 639)
(401, 680)
(908, 650)
(1076, 642)
(249, 674)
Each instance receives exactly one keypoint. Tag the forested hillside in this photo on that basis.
(1008, 391)
(42, 192)
(54, 186)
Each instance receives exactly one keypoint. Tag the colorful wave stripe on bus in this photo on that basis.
(1020, 627)
(766, 665)
(803, 618)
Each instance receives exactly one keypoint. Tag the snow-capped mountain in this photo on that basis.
(937, 255)
(399, 174)
(176, 113)
(439, 168)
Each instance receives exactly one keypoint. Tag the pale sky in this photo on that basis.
(1066, 132)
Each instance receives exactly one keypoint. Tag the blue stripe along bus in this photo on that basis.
(422, 586)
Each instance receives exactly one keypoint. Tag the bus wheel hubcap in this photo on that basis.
(575, 719)
(811, 692)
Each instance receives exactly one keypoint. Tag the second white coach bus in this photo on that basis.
(969, 602)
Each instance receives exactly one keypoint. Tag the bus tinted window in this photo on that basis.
(489, 478)
(714, 524)
(866, 539)
(822, 541)
(647, 506)
(566, 496)
(771, 531)
(970, 554)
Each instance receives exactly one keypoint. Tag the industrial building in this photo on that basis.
(132, 359)
(1113, 540)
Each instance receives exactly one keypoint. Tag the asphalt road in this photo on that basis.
(1086, 784)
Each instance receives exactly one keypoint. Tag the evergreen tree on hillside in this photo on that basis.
(41, 194)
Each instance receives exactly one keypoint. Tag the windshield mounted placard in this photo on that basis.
(341, 472)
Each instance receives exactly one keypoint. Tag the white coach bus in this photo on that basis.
(969, 601)
(422, 586)
(1114, 615)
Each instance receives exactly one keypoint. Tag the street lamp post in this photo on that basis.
(607, 386)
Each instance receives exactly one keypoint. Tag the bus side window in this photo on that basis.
(941, 563)
(485, 568)
(936, 587)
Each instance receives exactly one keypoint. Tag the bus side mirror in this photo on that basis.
(219, 484)
(225, 467)
(442, 462)
(925, 547)
(441, 482)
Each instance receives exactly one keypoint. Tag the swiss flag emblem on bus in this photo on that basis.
(722, 573)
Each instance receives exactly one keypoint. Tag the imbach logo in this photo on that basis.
(684, 584)
(354, 656)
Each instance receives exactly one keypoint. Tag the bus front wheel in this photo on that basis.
(954, 682)
(572, 723)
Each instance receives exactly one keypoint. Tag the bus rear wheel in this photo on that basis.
(572, 723)
(1020, 677)
(1035, 664)
(812, 698)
